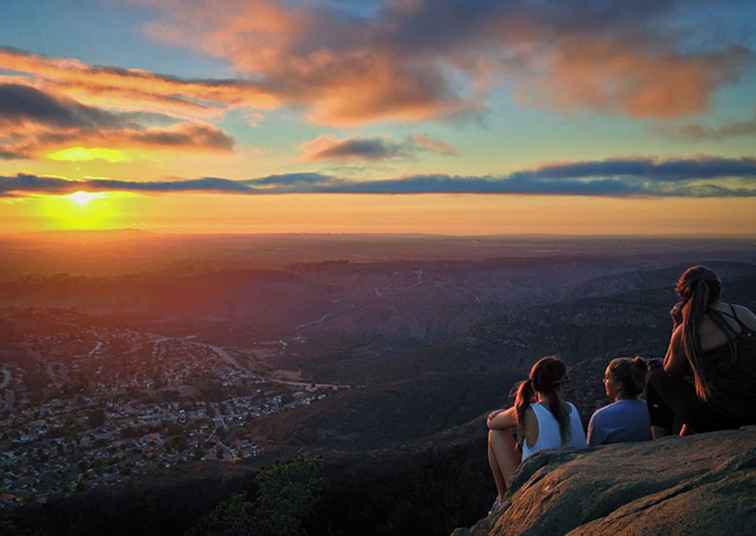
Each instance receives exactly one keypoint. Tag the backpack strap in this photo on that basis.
(718, 318)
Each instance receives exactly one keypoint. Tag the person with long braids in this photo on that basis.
(708, 381)
(541, 419)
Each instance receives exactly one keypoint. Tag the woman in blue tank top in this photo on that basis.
(626, 418)
(541, 420)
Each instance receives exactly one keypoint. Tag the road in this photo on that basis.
(225, 356)
(6, 378)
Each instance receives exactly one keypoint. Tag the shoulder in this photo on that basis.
(604, 412)
(572, 409)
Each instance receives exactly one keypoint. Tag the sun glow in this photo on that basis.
(79, 210)
(83, 198)
(83, 154)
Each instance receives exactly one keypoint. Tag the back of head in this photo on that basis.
(546, 376)
(698, 287)
(630, 374)
(699, 281)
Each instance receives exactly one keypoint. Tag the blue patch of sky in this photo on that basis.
(363, 8)
(281, 130)
(98, 32)
(714, 25)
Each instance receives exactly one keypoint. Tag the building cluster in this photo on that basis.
(130, 406)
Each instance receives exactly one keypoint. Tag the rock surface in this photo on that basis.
(701, 484)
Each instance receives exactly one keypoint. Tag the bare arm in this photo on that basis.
(675, 362)
(502, 419)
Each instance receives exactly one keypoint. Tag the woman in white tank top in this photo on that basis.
(541, 419)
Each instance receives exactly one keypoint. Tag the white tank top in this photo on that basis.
(548, 431)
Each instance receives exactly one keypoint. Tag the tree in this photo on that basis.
(232, 517)
(287, 493)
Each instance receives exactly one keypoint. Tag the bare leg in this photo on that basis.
(505, 454)
(686, 430)
(501, 484)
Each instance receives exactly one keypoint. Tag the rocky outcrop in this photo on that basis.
(701, 484)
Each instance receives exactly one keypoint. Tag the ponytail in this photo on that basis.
(556, 406)
(545, 377)
(700, 287)
(525, 393)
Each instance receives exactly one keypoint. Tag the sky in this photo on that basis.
(461, 117)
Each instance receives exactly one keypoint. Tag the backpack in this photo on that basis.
(731, 371)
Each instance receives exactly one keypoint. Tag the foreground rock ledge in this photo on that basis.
(702, 484)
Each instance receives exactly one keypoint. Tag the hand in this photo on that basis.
(676, 314)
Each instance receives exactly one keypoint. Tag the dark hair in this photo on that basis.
(545, 377)
(630, 374)
(698, 288)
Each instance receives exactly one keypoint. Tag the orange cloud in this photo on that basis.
(35, 122)
(408, 60)
(135, 88)
(181, 137)
(623, 77)
(415, 60)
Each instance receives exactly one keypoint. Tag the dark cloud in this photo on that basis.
(25, 104)
(188, 136)
(645, 168)
(207, 184)
(33, 184)
(695, 177)
(371, 149)
(34, 122)
(725, 131)
(325, 148)
(11, 155)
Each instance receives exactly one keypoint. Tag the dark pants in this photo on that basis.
(673, 402)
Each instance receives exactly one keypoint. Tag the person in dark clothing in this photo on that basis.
(708, 381)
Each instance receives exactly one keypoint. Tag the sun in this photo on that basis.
(84, 198)
(80, 210)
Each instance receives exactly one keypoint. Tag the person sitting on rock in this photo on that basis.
(715, 343)
(541, 419)
(626, 419)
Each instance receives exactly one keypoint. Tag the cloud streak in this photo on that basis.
(34, 122)
(329, 148)
(136, 89)
(695, 177)
(733, 129)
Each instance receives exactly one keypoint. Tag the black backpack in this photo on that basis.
(731, 372)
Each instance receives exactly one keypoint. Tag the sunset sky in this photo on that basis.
(401, 116)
